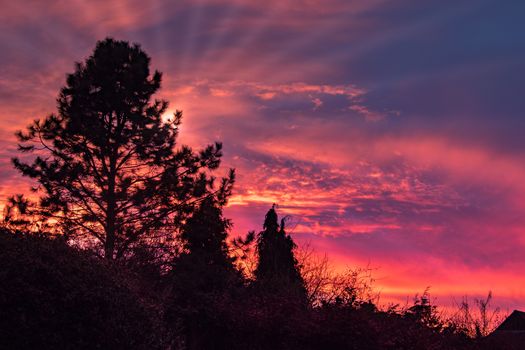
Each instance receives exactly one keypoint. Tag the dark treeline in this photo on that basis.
(127, 246)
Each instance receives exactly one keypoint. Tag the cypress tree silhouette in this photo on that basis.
(111, 175)
(277, 270)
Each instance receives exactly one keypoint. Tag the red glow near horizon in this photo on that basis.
(412, 165)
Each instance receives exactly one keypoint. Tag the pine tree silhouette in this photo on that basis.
(111, 174)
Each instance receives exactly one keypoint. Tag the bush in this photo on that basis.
(53, 296)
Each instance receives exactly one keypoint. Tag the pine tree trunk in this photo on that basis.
(109, 246)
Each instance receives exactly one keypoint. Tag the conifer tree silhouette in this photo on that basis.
(203, 279)
(107, 166)
(206, 261)
(277, 270)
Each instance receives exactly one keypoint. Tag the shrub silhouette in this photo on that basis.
(53, 296)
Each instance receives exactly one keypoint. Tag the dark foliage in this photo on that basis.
(424, 313)
(53, 296)
(106, 162)
(203, 281)
(277, 271)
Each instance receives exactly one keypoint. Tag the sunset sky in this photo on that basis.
(392, 132)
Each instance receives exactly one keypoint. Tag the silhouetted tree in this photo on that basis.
(277, 270)
(106, 163)
(205, 234)
(424, 312)
(477, 320)
(206, 256)
(204, 279)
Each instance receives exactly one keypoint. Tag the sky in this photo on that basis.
(390, 132)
